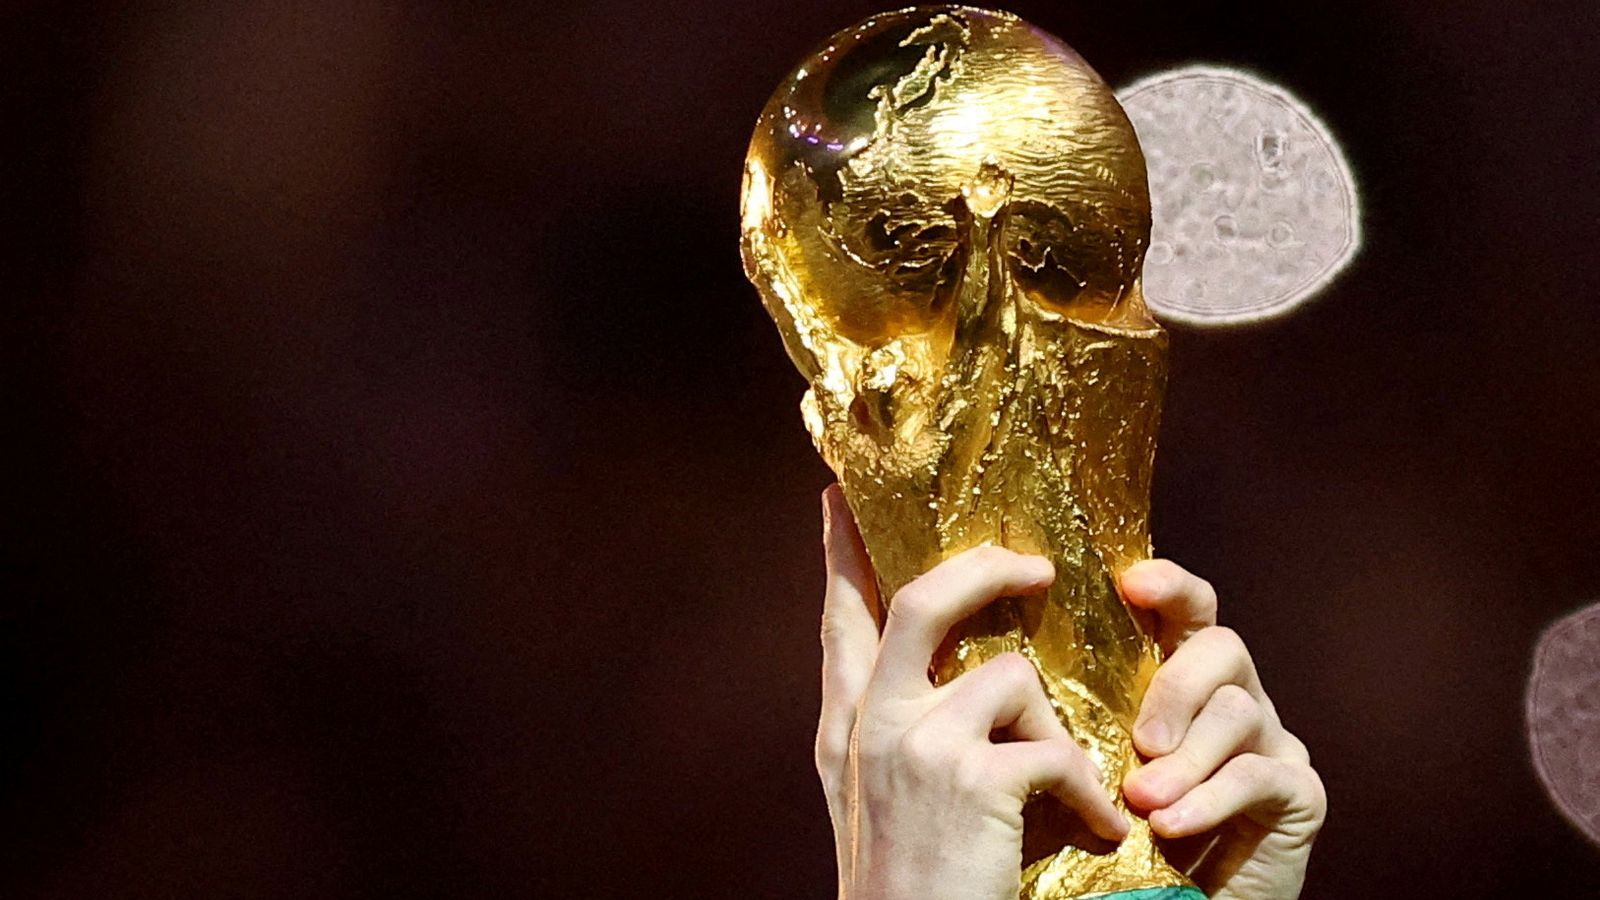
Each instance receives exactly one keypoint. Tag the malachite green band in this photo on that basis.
(1161, 893)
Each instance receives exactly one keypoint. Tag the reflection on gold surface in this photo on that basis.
(945, 211)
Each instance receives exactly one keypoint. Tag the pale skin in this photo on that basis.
(925, 784)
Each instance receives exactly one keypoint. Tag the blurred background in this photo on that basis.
(408, 495)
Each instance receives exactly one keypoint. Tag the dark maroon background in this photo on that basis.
(408, 496)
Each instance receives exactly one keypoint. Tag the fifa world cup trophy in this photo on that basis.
(945, 211)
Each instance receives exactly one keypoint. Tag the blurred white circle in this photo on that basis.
(1254, 207)
(1563, 716)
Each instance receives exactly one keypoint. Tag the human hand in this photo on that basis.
(925, 804)
(1224, 774)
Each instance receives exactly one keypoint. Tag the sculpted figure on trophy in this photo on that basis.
(945, 212)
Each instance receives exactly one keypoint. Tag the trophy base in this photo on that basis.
(1184, 892)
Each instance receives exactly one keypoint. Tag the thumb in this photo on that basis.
(849, 628)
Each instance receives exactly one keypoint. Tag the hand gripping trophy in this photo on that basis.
(945, 211)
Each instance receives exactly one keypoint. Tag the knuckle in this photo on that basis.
(1224, 637)
(830, 754)
(1225, 641)
(1166, 567)
(910, 604)
(1317, 796)
(1256, 770)
(1296, 750)
(832, 631)
(922, 749)
(972, 775)
(983, 563)
(989, 557)
(1167, 686)
(1164, 571)
(1188, 760)
(1013, 668)
(1237, 705)
(1304, 799)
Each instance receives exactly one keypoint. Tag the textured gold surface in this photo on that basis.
(945, 212)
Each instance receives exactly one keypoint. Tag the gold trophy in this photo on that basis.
(945, 211)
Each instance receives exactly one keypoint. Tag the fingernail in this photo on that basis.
(1167, 820)
(1145, 784)
(1153, 733)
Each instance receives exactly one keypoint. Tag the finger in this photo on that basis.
(1231, 723)
(1062, 768)
(1183, 603)
(923, 611)
(1272, 793)
(1003, 693)
(849, 631)
(1210, 659)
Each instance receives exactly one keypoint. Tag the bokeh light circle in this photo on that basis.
(1563, 712)
(1254, 207)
